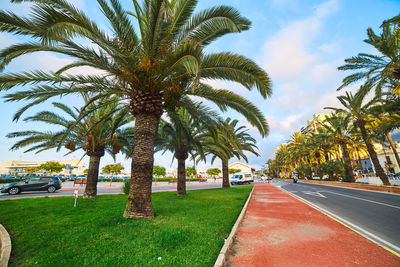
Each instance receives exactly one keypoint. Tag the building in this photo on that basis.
(20, 167)
(242, 167)
(386, 158)
(315, 123)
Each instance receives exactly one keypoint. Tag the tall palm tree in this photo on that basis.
(339, 127)
(283, 160)
(99, 132)
(323, 142)
(228, 141)
(380, 72)
(158, 67)
(182, 136)
(360, 114)
(299, 149)
(388, 119)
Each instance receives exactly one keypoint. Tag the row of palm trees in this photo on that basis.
(363, 119)
(152, 58)
(105, 130)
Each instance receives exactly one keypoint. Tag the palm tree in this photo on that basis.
(182, 136)
(99, 132)
(299, 149)
(226, 142)
(323, 142)
(283, 162)
(382, 71)
(156, 68)
(360, 114)
(388, 119)
(338, 126)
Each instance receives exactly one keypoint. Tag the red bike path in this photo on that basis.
(280, 230)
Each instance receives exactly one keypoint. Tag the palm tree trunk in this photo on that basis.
(372, 154)
(181, 186)
(139, 203)
(393, 146)
(225, 174)
(92, 177)
(348, 171)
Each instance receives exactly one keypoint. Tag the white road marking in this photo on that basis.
(317, 194)
(372, 201)
(369, 235)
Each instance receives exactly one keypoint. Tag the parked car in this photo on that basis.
(242, 178)
(44, 183)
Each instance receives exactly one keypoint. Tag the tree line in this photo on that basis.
(365, 117)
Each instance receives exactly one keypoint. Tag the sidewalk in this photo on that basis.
(279, 230)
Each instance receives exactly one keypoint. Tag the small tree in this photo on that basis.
(233, 171)
(214, 171)
(112, 169)
(190, 171)
(30, 169)
(51, 166)
(85, 171)
(159, 171)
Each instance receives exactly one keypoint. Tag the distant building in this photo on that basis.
(242, 167)
(315, 123)
(366, 165)
(387, 159)
(20, 167)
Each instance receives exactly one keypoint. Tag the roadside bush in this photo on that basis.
(171, 178)
(332, 168)
(114, 180)
(125, 187)
(304, 171)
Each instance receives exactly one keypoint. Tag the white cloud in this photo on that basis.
(285, 55)
(304, 80)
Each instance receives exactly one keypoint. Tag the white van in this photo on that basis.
(242, 178)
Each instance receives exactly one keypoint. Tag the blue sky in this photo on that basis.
(299, 43)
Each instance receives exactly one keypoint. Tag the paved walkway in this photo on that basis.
(279, 230)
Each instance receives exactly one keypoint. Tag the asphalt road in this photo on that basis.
(375, 214)
(100, 191)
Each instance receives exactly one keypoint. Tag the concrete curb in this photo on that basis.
(5, 247)
(228, 243)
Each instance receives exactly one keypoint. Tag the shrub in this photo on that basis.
(332, 168)
(304, 170)
(126, 186)
(114, 180)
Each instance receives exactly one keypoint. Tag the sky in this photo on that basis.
(299, 43)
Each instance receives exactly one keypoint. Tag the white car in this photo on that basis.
(242, 178)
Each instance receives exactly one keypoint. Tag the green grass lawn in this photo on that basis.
(187, 231)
